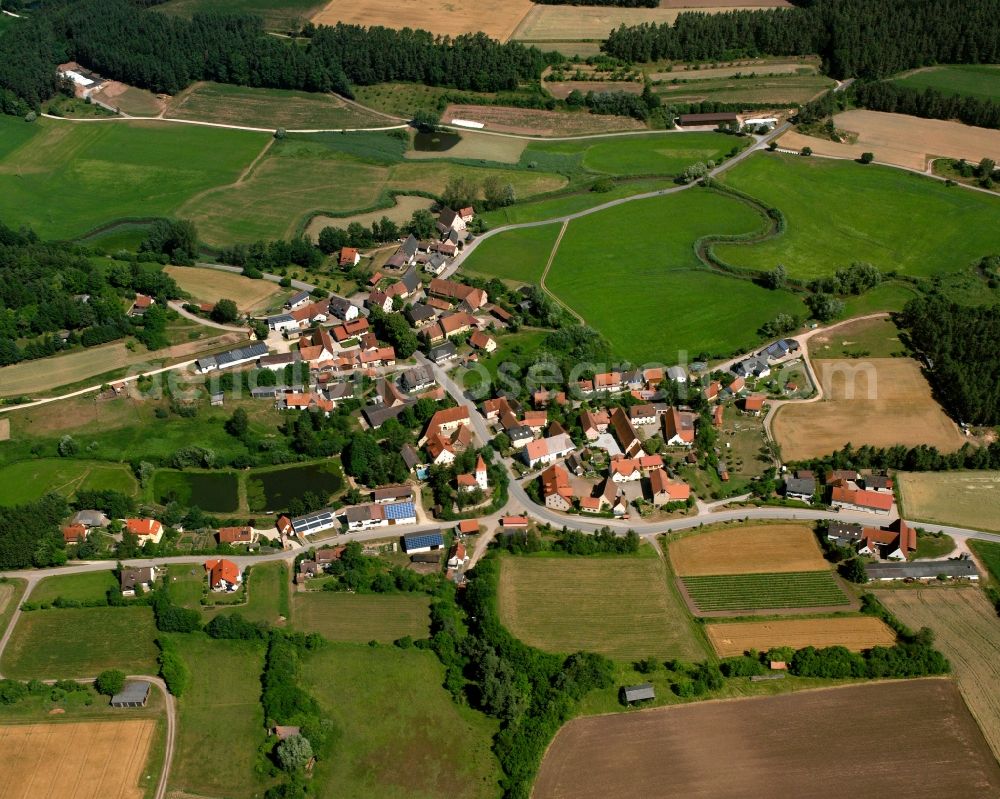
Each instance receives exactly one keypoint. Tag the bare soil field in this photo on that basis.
(965, 499)
(78, 760)
(561, 89)
(875, 401)
(570, 23)
(399, 213)
(811, 743)
(902, 140)
(496, 18)
(477, 146)
(130, 100)
(967, 631)
(758, 549)
(854, 632)
(212, 285)
(536, 122)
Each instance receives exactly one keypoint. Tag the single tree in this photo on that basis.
(867, 158)
(294, 753)
(238, 424)
(110, 682)
(225, 312)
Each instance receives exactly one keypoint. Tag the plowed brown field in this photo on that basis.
(967, 631)
(809, 744)
(760, 549)
(79, 760)
(854, 632)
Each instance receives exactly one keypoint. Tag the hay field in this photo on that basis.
(964, 499)
(868, 338)
(27, 480)
(477, 147)
(535, 121)
(399, 213)
(361, 618)
(967, 631)
(573, 23)
(759, 549)
(779, 90)
(902, 140)
(270, 108)
(496, 18)
(972, 80)
(619, 607)
(800, 744)
(762, 66)
(212, 285)
(854, 632)
(78, 760)
(877, 401)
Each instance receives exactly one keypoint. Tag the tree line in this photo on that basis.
(164, 53)
(922, 458)
(855, 38)
(927, 103)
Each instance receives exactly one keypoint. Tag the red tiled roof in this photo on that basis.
(863, 499)
(754, 402)
(347, 255)
(219, 570)
(148, 527)
(514, 521)
(235, 535)
(74, 533)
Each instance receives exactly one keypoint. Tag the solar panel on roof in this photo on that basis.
(420, 540)
(312, 522)
(400, 510)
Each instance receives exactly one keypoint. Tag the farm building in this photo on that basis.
(923, 570)
(365, 517)
(422, 542)
(547, 450)
(133, 694)
(857, 499)
(236, 535)
(638, 693)
(801, 488)
(717, 118)
(231, 358)
(282, 322)
(392, 494)
(315, 522)
(297, 300)
(145, 530)
(90, 518)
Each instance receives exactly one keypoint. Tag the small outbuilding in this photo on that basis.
(638, 693)
(134, 694)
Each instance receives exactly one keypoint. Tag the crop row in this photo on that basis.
(755, 591)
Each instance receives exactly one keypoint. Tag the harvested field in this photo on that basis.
(619, 607)
(561, 89)
(734, 593)
(877, 401)
(779, 89)
(496, 18)
(965, 499)
(536, 122)
(570, 23)
(757, 549)
(801, 744)
(854, 632)
(399, 213)
(477, 147)
(78, 760)
(902, 140)
(967, 631)
(212, 285)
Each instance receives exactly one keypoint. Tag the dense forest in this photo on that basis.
(960, 344)
(47, 287)
(165, 54)
(927, 103)
(855, 38)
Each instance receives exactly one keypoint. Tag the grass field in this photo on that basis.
(737, 592)
(655, 272)
(68, 178)
(798, 744)
(981, 81)
(401, 735)
(517, 255)
(269, 108)
(78, 760)
(81, 643)
(538, 122)
(81, 587)
(619, 607)
(27, 480)
(655, 154)
(854, 632)
(989, 553)
(901, 139)
(967, 631)
(360, 618)
(755, 549)
(779, 89)
(219, 712)
(869, 338)
(279, 15)
(964, 499)
(496, 18)
(212, 285)
(840, 212)
(877, 401)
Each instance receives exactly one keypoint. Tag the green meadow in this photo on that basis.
(517, 255)
(839, 212)
(27, 480)
(981, 81)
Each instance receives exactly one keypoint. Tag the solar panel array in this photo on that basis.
(314, 522)
(400, 510)
(421, 540)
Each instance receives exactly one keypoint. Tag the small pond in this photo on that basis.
(435, 142)
(215, 492)
(274, 490)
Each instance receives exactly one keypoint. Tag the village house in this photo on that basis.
(859, 499)
(752, 367)
(349, 330)
(754, 404)
(450, 325)
(711, 391)
(443, 353)
(132, 578)
(476, 481)
(144, 530)
(282, 322)
(663, 490)
(349, 256)
(556, 491)
(343, 309)
(483, 341)
(380, 300)
(894, 542)
(642, 414)
(469, 296)
(306, 571)
(74, 534)
(324, 557)
(536, 421)
(542, 398)
(417, 379)
(547, 450)
(458, 556)
(140, 305)
(374, 514)
(802, 486)
(594, 423)
(223, 575)
(449, 220)
(311, 313)
(625, 470)
(236, 536)
(678, 428)
(627, 437)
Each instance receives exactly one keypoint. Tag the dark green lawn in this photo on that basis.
(981, 81)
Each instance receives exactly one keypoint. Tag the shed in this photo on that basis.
(134, 694)
(422, 542)
(638, 693)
